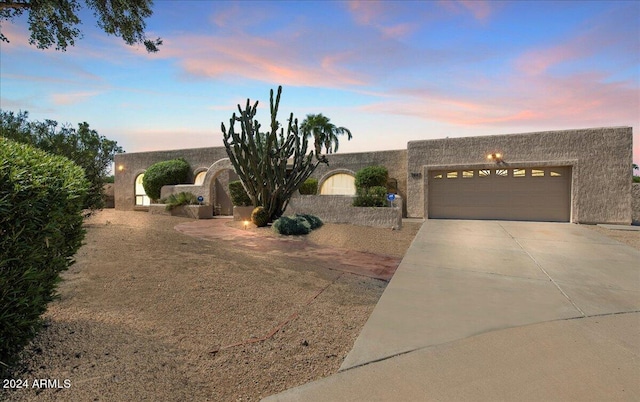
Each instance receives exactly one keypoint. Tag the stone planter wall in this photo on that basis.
(339, 209)
(188, 211)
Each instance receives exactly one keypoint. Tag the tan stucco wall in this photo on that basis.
(340, 209)
(600, 157)
(136, 163)
(395, 161)
(635, 204)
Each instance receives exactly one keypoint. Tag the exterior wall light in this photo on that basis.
(120, 168)
(246, 223)
(496, 157)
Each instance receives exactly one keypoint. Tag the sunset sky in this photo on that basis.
(391, 72)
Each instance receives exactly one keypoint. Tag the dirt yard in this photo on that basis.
(149, 313)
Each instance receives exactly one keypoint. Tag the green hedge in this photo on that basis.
(175, 171)
(41, 200)
(239, 196)
(371, 176)
(309, 187)
(374, 197)
(371, 187)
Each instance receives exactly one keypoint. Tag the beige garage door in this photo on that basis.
(530, 194)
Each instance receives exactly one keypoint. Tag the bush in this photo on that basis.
(176, 200)
(368, 200)
(239, 196)
(371, 187)
(313, 220)
(165, 173)
(309, 187)
(260, 217)
(41, 201)
(371, 176)
(291, 225)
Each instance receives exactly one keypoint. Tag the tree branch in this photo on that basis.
(17, 6)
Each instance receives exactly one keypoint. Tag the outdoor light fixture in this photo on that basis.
(496, 157)
(120, 168)
(246, 223)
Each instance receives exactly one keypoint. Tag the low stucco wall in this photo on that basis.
(339, 209)
(188, 211)
(635, 203)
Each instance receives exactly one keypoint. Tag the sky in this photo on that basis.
(391, 72)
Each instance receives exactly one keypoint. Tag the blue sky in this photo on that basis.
(391, 72)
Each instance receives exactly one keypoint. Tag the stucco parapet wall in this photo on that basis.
(493, 165)
(339, 209)
(635, 203)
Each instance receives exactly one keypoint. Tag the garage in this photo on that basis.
(507, 193)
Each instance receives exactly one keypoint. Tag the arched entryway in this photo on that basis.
(222, 198)
(338, 182)
(217, 181)
(142, 200)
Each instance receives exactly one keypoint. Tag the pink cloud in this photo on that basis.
(575, 101)
(609, 34)
(381, 16)
(73, 98)
(267, 60)
(480, 10)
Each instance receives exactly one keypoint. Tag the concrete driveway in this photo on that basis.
(497, 310)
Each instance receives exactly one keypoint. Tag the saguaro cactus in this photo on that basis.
(270, 165)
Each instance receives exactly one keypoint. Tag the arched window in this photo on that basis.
(141, 196)
(339, 184)
(199, 180)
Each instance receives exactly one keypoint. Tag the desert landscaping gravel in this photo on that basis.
(148, 313)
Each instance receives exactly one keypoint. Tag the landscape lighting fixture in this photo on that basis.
(246, 223)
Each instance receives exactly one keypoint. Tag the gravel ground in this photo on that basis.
(629, 237)
(148, 313)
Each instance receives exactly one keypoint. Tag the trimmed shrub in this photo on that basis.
(309, 187)
(313, 220)
(371, 187)
(368, 200)
(177, 200)
(260, 217)
(41, 201)
(239, 196)
(291, 225)
(371, 176)
(175, 171)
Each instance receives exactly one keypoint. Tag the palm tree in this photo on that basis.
(324, 132)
